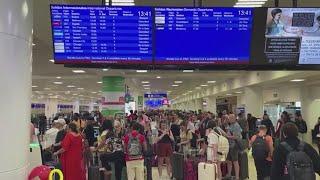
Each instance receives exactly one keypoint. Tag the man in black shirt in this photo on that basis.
(279, 169)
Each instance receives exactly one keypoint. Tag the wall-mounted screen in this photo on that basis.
(101, 34)
(203, 35)
(291, 37)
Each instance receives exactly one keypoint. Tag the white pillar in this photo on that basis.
(15, 89)
(211, 104)
(51, 107)
(76, 105)
(253, 99)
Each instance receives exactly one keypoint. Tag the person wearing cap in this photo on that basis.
(263, 166)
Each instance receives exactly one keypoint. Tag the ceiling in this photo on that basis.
(45, 73)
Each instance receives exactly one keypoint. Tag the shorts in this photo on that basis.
(164, 149)
(233, 154)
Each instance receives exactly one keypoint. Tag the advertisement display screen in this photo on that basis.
(292, 36)
(101, 34)
(203, 35)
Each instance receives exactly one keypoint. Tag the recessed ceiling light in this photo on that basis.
(74, 94)
(33, 44)
(50, 94)
(142, 71)
(80, 88)
(158, 77)
(211, 82)
(51, 60)
(105, 69)
(178, 82)
(238, 92)
(146, 85)
(204, 85)
(58, 77)
(169, 91)
(198, 87)
(99, 82)
(188, 71)
(228, 94)
(57, 82)
(93, 92)
(46, 88)
(145, 82)
(78, 71)
(34, 86)
(174, 85)
(189, 91)
(147, 88)
(71, 86)
(297, 80)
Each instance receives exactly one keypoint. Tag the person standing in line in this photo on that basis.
(301, 124)
(243, 124)
(134, 146)
(72, 155)
(252, 124)
(317, 133)
(164, 147)
(268, 123)
(234, 134)
(262, 149)
(280, 169)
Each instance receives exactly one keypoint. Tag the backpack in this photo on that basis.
(114, 144)
(134, 147)
(193, 141)
(259, 148)
(299, 164)
(302, 126)
(223, 143)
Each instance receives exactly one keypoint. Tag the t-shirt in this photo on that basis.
(175, 129)
(50, 137)
(234, 130)
(126, 142)
(191, 126)
(185, 136)
(269, 143)
(165, 139)
(212, 139)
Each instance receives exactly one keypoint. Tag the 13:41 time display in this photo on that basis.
(245, 12)
(144, 13)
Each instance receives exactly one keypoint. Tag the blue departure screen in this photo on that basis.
(100, 34)
(203, 35)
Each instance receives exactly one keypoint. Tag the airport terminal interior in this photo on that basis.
(160, 89)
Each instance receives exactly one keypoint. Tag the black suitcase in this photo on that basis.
(94, 171)
(244, 168)
(177, 165)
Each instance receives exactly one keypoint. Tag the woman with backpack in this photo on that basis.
(262, 149)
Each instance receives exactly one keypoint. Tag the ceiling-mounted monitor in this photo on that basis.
(102, 34)
(291, 37)
(203, 35)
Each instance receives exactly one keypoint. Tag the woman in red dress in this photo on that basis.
(72, 155)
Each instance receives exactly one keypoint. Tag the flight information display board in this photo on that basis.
(203, 35)
(101, 34)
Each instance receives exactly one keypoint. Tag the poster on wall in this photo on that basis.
(292, 36)
(113, 100)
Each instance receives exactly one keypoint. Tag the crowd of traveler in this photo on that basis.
(145, 139)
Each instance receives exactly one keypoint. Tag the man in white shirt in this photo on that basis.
(50, 135)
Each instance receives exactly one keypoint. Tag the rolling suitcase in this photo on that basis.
(178, 165)
(207, 171)
(243, 162)
(94, 170)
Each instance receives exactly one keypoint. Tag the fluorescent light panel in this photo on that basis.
(204, 85)
(146, 85)
(57, 82)
(188, 71)
(252, 5)
(71, 86)
(158, 77)
(174, 85)
(211, 82)
(178, 82)
(99, 82)
(142, 71)
(105, 69)
(145, 82)
(34, 86)
(297, 80)
(78, 71)
(51, 60)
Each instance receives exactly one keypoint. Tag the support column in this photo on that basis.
(113, 100)
(211, 104)
(15, 89)
(76, 106)
(253, 99)
(51, 107)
